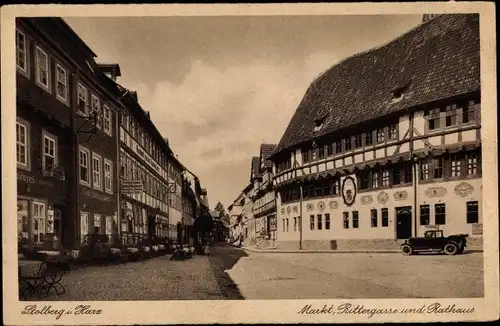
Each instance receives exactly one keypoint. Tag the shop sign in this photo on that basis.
(96, 195)
(477, 229)
(139, 151)
(132, 186)
(32, 180)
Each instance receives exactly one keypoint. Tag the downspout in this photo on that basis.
(300, 219)
(75, 162)
(118, 176)
(414, 164)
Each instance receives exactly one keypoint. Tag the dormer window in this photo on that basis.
(318, 123)
(398, 92)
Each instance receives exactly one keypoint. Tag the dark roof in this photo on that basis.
(266, 150)
(436, 60)
(255, 169)
(111, 68)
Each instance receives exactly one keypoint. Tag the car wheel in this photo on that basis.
(451, 249)
(406, 250)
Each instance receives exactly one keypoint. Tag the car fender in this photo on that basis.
(406, 243)
(457, 243)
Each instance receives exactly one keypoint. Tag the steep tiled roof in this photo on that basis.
(255, 172)
(436, 60)
(266, 150)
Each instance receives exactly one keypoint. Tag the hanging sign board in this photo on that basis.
(131, 186)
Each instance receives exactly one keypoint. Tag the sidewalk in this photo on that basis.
(351, 251)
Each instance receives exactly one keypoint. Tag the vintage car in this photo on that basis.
(434, 240)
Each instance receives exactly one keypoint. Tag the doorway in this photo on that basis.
(403, 222)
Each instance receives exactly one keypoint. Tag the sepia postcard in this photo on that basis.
(244, 163)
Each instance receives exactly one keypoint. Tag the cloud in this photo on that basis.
(219, 117)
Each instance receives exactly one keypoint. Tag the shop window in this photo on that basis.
(424, 214)
(42, 69)
(385, 217)
(327, 221)
(346, 220)
(320, 222)
(21, 51)
(22, 145)
(311, 222)
(84, 161)
(472, 212)
(355, 220)
(440, 214)
(61, 83)
(374, 218)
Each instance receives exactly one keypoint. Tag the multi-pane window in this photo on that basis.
(347, 144)
(434, 119)
(107, 120)
(396, 175)
(84, 166)
(456, 166)
(355, 219)
(472, 212)
(96, 171)
(424, 170)
(385, 217)
(311, 222)
(451, 115)
(49, 152)
(425, 215)
(346, 220)
(314, 152)
(338, 147)
(22, 144)
(468, 113)
(368, 138)
(320, 222)
(408, 171)
(380, 135)
(287, 225)
(364, 180)
(438, 167)
(471, 161)
(294, 224)
(440, 214)
(385, 178)
(392, 132)
(108, 176)
(374, 179)
(42, 68)
(329, 149)
(321, 152)
(374, 218)
(327, 221)
(83, 95)
(61, 83)
(305, 156)
(358, 141)
(21, 53)
(96, 107)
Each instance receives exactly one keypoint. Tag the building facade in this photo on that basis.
(66, 138)
(396, 151)
(188, 211)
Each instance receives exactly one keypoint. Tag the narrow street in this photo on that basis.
(231, 273)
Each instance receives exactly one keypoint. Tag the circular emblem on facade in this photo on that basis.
(310, 207)
(295, 209)
(349, 190)
(383, 197)
(288, 210)
(321, 206)
(333, 204)
(463, 189)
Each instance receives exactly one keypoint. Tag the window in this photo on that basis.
(346, 220)
(82, 99)
(49, 153)
(329, 149)
(39, 216)
(96, 171)
(305, 156)
(321, 152)
(62, 83)
(438, 167)
(385, 217)
(338, 147)
(456, 166)
(311, 222)
(320, 222)
(108, 176)
(283, 221)
(434, 119)
(396, 175)
(42, 68)
(313, 154)
(385, 178)
(368, 138)
(355, 220)
(347, 144)
(374, 218)
(380, 136)
(392, 132)
(21, 51)
(468, 113)
(327, 221)
(440, 214)
(424, 170)
(97, 224)
(374, 179)
(408, 170)
(286, 225)
(425, 215)
(358, 141)
(451, 116)
(96, 107)
(22, 145)
(84, 166)
(471, 163)
(294, 224)
(472, 212)
(107, 120)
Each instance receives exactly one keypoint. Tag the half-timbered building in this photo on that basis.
(387, 143)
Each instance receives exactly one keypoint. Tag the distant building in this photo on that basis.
(386, 144)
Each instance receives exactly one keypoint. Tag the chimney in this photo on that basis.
(427, 17)
(112, 70)
(134, 95)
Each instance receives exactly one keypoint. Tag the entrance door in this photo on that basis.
(403, 222)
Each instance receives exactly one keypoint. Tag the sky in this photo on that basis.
(217, 87)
